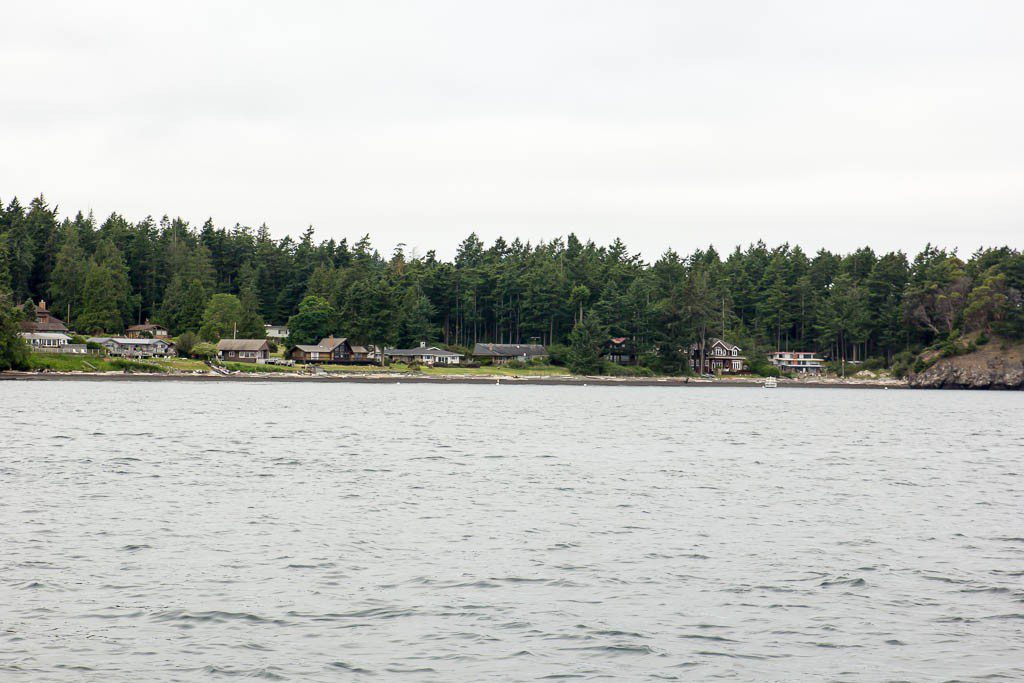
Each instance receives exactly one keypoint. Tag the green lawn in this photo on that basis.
(532, 371)
(364, 369)
(75, 363)
(256, 367)
(181, 364)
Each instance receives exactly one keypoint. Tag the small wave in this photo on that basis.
(350, 667)
(215, 616)
(843, 582)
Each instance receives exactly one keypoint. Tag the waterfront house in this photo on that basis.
(243, 350)
(277, 333)
(52, 342)
(719, 357)
(147, 330)
(328, 350)
(135, 347)
(426, 355)
(366, 354)
(43, 321)
(499, 354)
(805, 362)
(622, 350)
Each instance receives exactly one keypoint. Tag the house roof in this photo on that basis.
(44, 335)
(145, 327)
(715, 340)
(511, 350)
(132, 341)
(241, 344)
(359, 349)
(324, 346)
(421, 351)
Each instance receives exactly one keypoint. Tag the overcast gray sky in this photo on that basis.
(826, 124)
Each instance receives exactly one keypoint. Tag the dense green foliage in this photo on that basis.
(851, 306)
(14, 352)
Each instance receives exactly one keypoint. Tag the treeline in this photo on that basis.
(859, 305)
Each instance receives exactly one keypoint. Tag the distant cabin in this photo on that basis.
(426, 355)
(131, 347)
(503, 353)
(277, 333)
(331, 350)
(243, 350)
(43, 321)
(719, 357)
(147, 330)
(622, 350)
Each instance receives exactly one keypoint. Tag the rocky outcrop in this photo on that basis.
(994, 366)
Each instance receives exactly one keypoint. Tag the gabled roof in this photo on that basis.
(712, 341)
(131, 341)
(510, 350)
(421, 351)
(241, 344)
(145, 327)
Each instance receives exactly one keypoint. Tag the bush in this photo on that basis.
(876, 363)
(615, 370)
(982, 339)
(272, 346)
(902, 362)
(558, 354)
(186, 342)
(516, 365)
(204, 351)
(763, 368)
(134, 365)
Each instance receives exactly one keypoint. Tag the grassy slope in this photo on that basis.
(60, 362)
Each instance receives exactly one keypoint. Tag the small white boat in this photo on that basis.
(770, 383)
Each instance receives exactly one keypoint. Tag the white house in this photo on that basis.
(427, 355)
(52, 342)
(277, 333)
(135, 348)
(797, 361)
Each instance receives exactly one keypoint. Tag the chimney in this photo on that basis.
(330, 341)
(423, 344)
(42, 305)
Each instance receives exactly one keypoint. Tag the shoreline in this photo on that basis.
(386, 378)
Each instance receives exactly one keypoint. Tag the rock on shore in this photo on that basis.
(993, 366)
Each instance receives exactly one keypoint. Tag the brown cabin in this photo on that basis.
(43, 321)
(243, 350)
(146, 330)
(329, 350)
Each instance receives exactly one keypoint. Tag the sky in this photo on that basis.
(668, 124)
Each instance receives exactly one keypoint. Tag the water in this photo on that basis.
(203, 531)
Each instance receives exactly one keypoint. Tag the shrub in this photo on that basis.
(875, 363)
(615, 370)
(763, 368)
(516, 365)
(186, 342)
(982, 339)
(204, 351)
(558, 354)
(134, 366)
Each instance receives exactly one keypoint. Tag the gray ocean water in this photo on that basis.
(204, 531)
